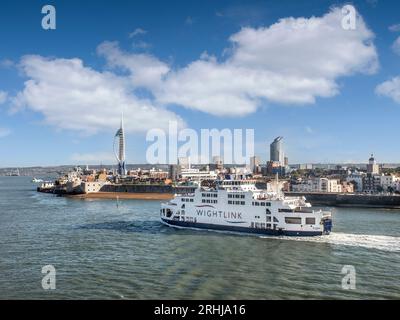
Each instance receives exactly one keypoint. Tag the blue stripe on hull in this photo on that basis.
(210, 226)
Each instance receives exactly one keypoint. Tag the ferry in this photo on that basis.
(239, 206)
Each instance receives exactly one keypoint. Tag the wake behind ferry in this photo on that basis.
(239, 206)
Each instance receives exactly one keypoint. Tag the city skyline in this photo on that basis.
(152, 64)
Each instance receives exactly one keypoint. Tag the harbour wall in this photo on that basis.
(146, 188)
(350, 200)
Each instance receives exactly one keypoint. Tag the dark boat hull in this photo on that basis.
(209, 226)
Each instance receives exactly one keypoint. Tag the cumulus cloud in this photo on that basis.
(3, 96)
(145, 70)
(396, 46)
(293, 61)
(390, 89)
(394, 27)
(75, 97)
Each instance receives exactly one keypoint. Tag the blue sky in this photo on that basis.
(346, 111)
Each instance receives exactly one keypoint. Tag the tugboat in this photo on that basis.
(239, 206)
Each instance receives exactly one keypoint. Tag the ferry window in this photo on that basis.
(262, 204)
(203, 201)
(229, 202)
(292, 220)
(257, 204)
(242, 203)
(268, 204)
(285, 210)
(169, 213)
(268, 226)
(268, 219)
(275, 219)
(191, 200)
(242, 196)
(267, 211)
(310, 220)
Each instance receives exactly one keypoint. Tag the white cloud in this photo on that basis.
(395, 28)
(91, 158)
(4, 132)
(72, 96)
(6, 63)
(3, 96)
(390, 89)
(145, 70)
(137, 31)
(293, 61)
(396, 46)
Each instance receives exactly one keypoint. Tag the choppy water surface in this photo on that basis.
(104, 250)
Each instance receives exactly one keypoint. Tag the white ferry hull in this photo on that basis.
(248, 230)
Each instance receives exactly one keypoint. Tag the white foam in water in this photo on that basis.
(385, 243)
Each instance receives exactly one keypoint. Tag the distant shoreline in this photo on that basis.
(123, 195)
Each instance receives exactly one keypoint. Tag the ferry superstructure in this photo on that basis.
(239, 206)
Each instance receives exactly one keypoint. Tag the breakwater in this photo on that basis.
(350, 200)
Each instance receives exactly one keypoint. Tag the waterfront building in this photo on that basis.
(371, 183)
(305, 166)
(218, 163)
(347, 187)
(174, 172)
(318, 185)
(255, 164)
(372, 166)
(274, 167)
(286, 161)
(388, 182)
(357, 178)
(184, 162)
(276, 151)
(158, 174)
(198, 175)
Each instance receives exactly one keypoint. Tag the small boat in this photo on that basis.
(35, 180)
